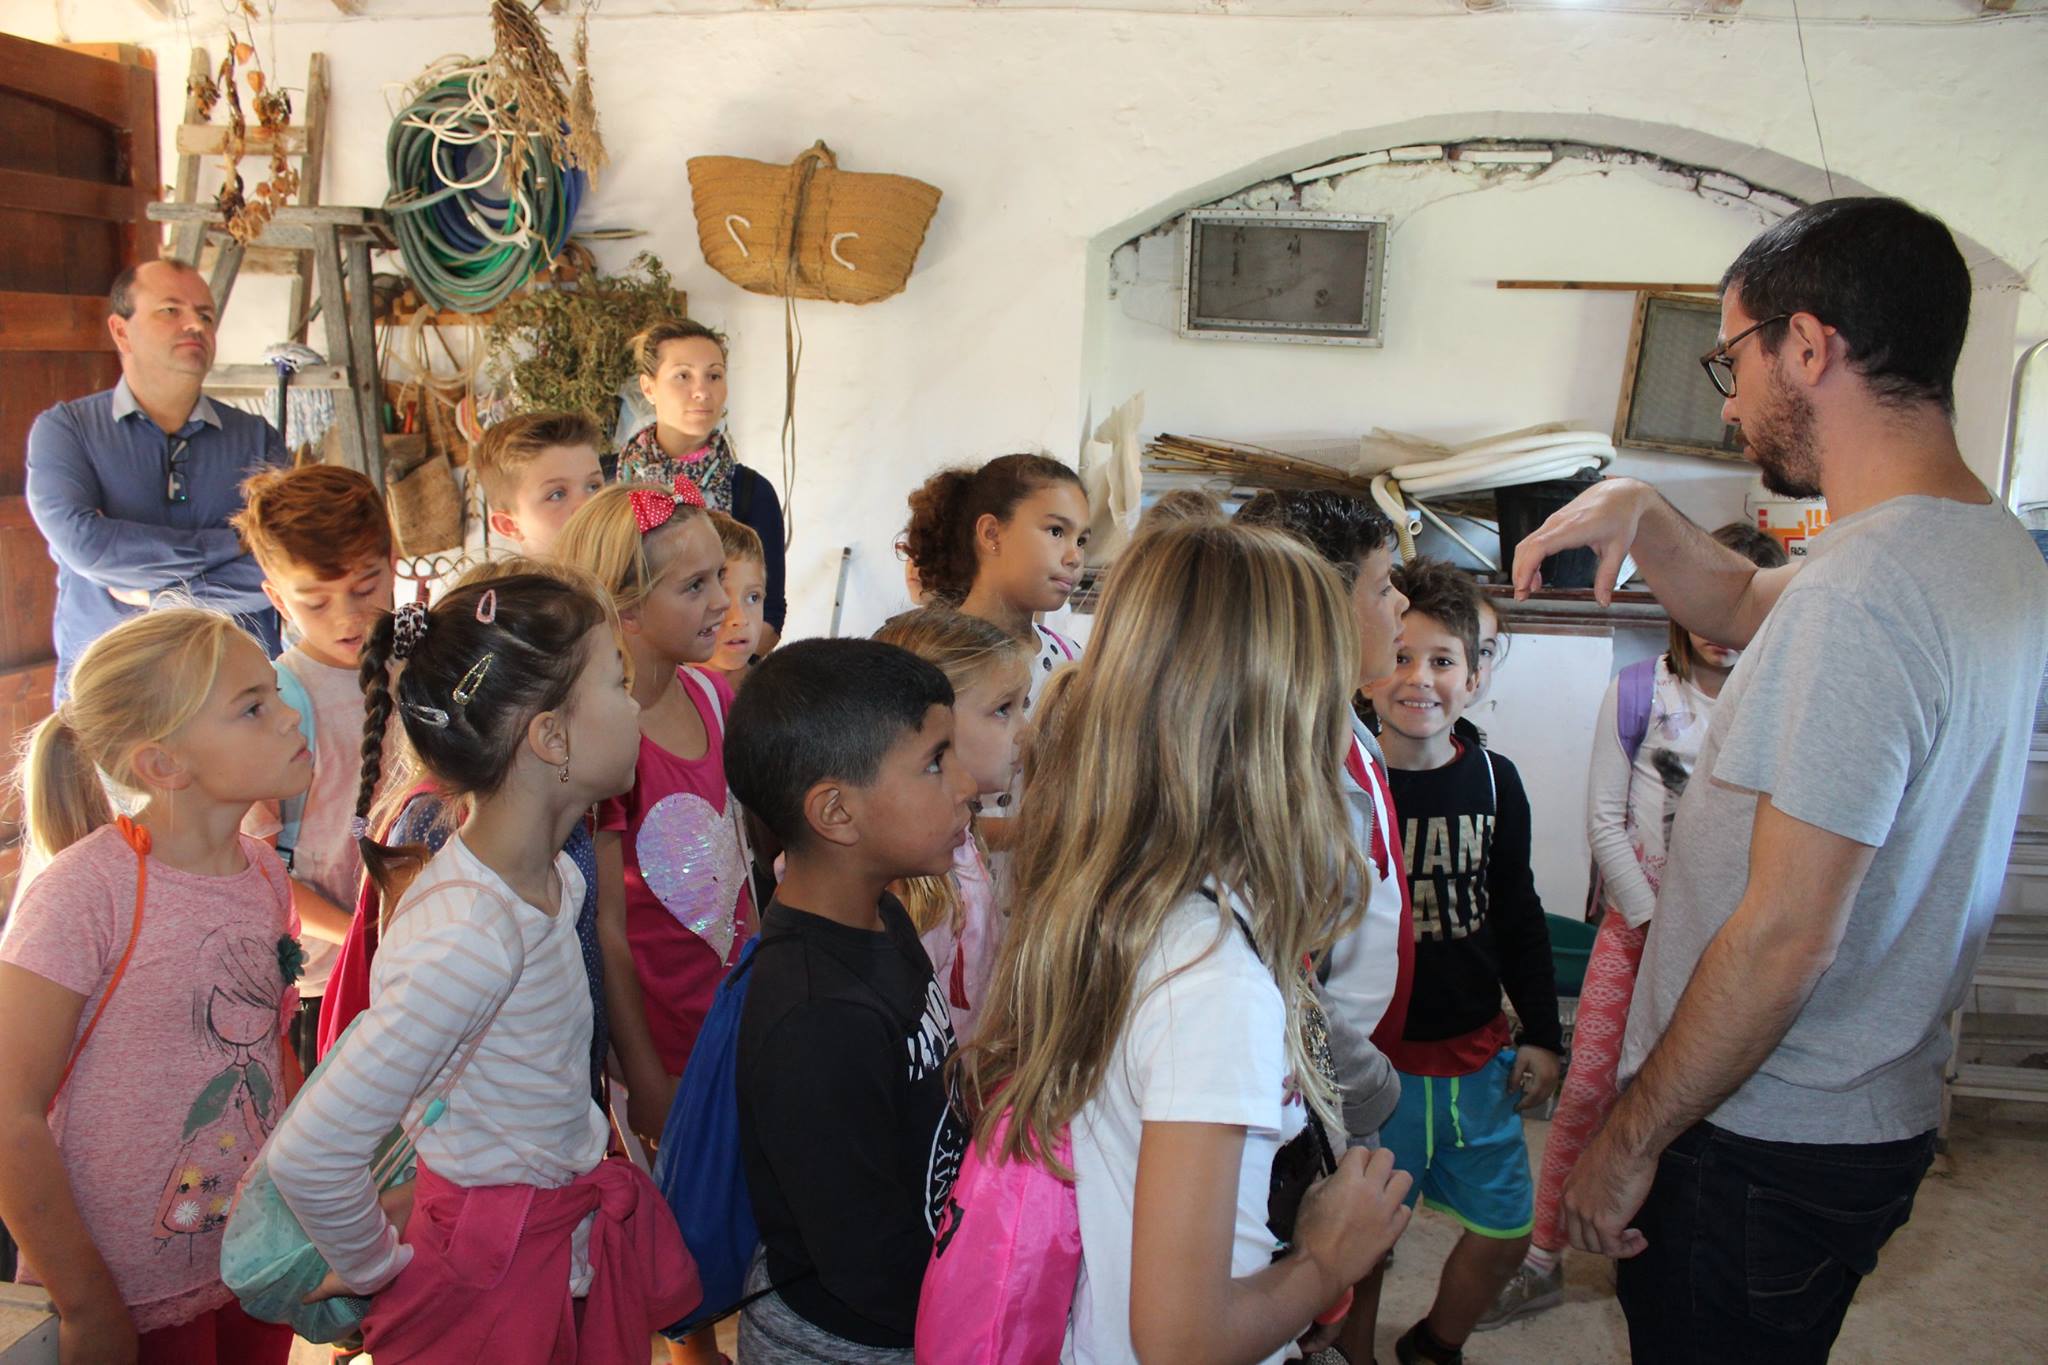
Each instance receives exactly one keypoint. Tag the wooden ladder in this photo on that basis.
(325, 248)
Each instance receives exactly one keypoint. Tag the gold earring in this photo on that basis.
(564, 773)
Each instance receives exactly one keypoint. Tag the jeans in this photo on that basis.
(1756, 1248)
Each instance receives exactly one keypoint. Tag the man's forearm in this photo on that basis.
(1705, 586)
(1741, 1000)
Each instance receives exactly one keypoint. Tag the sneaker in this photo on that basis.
(1530, 1291)
(1408, 1353)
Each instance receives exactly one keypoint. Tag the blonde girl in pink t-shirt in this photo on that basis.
(144, 981)
(672, 868)
(956, 914)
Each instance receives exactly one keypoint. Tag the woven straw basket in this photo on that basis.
(426, 506)
(809, 230)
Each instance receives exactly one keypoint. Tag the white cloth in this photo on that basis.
(1630, 807)
(1205, 1043)
(1365, 965)
(451, 964)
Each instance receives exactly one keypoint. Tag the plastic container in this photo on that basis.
(1523, 507)
(1792, 522)
(1571, 945)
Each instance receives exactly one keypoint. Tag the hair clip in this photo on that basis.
(427, 715)
(487, 607)
(408, 628)
(472, 680)
(358, 828)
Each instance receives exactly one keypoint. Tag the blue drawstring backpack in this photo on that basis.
(698, 1168)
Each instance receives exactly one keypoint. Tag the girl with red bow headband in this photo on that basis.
(673, 907)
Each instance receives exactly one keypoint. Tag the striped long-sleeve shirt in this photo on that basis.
(462, 955)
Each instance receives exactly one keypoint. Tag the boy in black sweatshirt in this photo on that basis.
(1478, 930)
(848, 1137)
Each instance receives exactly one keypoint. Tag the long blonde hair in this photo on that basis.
(1199, 739)
(966, 649)
(136, 685)
(603, 540)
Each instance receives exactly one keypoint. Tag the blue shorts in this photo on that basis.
(1461, 1139)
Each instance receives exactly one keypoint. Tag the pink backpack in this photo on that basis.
(1000, 1285)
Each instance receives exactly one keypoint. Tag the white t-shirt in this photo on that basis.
(1630, 807)
(1207, 1043)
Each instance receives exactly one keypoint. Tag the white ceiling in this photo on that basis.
(208, 13)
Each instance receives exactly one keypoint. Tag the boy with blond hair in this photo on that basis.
(536, 469)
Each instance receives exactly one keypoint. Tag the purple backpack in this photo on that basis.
(1631, 723)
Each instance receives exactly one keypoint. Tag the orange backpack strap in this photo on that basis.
(138, 839)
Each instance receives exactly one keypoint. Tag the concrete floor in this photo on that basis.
(1967, 1279)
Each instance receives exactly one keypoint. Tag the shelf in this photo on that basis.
(1986, 1082)
(451, 318)
(1573, 611)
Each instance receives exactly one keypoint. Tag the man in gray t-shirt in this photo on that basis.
(1835, 862)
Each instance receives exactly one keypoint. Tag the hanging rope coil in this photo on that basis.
(468, 236)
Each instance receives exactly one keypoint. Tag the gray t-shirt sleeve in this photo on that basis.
(1840, 709)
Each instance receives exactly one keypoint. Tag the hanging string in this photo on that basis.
(1799, 31)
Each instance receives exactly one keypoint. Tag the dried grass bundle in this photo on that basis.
(1256, 466)
(530, 88)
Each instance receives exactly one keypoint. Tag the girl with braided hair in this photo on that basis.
(512, 694)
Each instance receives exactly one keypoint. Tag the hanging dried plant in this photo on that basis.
(246, 212)
(566, 348)
(527, 83)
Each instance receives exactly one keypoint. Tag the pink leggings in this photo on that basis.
(1589, 1090)
(225, 1336)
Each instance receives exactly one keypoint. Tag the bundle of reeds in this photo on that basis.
(1254, 466)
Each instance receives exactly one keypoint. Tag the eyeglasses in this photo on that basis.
(176, 488)
(1719, 363)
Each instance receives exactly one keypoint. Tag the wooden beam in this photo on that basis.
(53, 322)
(186, 239)
(298, 315)
(263, 378)
(291, 215)
(69, 198)
(210, 139)
(114, 52)
(1618, 286)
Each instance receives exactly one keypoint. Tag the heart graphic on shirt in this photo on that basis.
(690, 858)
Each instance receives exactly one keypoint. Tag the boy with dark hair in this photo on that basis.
(1478, 929)
(849, 1139)
(322, 537)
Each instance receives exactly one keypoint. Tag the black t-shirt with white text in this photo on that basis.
(847, 1130)
(1479, 924)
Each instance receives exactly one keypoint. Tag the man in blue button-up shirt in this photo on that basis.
(133, 487)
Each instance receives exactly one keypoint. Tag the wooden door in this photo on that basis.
(78, 162)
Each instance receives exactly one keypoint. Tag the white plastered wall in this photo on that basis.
(1057, 136)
